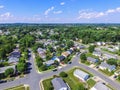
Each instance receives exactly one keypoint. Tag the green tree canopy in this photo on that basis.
(9, 72)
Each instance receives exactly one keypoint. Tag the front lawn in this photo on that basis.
(47, 84)
(91, 83)
(106, 72)
(21, 87)
(73, 82)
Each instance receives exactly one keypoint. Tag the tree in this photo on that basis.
(118, 62)
(21, 67)
(39, 61)
(118, 77)
(83, 57)
(91, 48)
(9, 72)
(63, 74)
(56, 62)
(80, 87)
(112, 61)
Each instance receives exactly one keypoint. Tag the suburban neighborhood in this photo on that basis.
(41, 61)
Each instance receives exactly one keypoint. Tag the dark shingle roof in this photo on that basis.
(58, 83)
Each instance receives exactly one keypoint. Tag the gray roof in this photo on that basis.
(109, 56)
(50, 62)
(92, 59)
(110, 67)
(58, 83)
(2, 70)
(15, 54)
(100, 86)
(97, 53)
(81, 74)
(13, 60)
(61, 58)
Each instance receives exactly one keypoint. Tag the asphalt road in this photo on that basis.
(34, 78)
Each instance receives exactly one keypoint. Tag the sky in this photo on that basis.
(59, 11)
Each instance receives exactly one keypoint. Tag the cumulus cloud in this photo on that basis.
(57, 12)
(49, 10)
(62, 3)
(88, 14)
(1, 6)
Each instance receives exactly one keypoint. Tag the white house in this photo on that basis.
(100, 86)
(81, 75)
(104, 66)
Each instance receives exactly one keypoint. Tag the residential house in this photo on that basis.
(15, 54)
(92, 60)
(14, 57)
(65, 54)
(80, 47)
(2, 69)
(13, 60)
(111, 49)
(105, 66)
(100, 43)
(100, 86)
(60, 58)
(70, 51)
(59, 84)
(97, 53)
(109, 56)
(81, 75)
(48, 63)
(42, 52)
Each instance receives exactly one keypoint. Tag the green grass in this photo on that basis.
(91, 55)
(106, 72)
(91, 83)
(47, 84)
(72, 81)
(21, 87)
(106, 50)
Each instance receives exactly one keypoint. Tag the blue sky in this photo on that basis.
(59, 11)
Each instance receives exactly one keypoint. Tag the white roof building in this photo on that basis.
(100, 86)
(81, 75)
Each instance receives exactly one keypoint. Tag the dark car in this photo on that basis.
(69, 62)
(54, 70)
(115, 76)
(3, 81)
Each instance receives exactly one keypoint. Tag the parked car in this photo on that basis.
(54, 70)
(115, 76)
(69, 62)
(3, 81)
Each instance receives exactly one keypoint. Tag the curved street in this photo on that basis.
(33, 78)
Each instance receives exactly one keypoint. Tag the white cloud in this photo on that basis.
(62, 3)
(1, 6)
(57, 12)
(49, 10)
(88, 14)
(6, 15)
